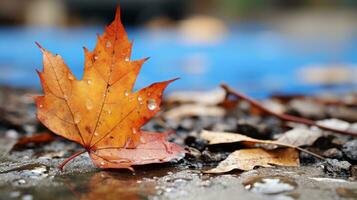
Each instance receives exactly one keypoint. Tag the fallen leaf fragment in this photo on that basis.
(194, 110)
(266, 149)
(214, 137)
(247, 159)
(101, 111)
(38, 138)
(153, 148)
(300, 137)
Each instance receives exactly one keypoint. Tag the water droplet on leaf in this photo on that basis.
(89, 81)
(89, 104)
(109, 44)
(126, 93)
(70, 77)
(152, 104)
(140, 98)
(77, 118)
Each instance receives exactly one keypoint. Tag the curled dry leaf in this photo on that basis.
(38, 138)
(101, 111)
(211, 97)
(190, 110)
(247, 159)
(300, 137)
(224, 137)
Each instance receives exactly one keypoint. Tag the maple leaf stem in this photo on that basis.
(284, 117)
(70, 158)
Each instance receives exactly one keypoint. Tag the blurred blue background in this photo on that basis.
(259, 47)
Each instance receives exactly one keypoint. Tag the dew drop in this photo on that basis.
(102, 163)
(142, 140)
(152, 104)
(134, 130)
(95, 57)
(70, 77)
(109, 112)
(127, 59)
(65, 97)
(109, 44)
(89, 104)
(96, 133)
(140, 98)
(126, 93)
(41, 106)
(77, 118)
(89, 81)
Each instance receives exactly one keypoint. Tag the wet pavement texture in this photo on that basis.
(30, 171)
(41, 180)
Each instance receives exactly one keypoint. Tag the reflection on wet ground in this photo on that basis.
(166, 183)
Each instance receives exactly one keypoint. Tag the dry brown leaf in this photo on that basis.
(247, 159)
(224, 137)
(190, 110)
(300, 137)
(214, 137)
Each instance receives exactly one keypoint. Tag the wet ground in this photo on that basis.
(29, 171)
(41, 180)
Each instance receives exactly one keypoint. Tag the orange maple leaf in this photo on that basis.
(100, 112)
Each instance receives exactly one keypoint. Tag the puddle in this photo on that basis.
(277, 186)
(97, 185)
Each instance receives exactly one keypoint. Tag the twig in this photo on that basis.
(70, 158)
(284, 117)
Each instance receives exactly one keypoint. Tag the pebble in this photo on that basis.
(194, 142)
(208, 156)
(333, 153)
(337, 168)
(350, 150)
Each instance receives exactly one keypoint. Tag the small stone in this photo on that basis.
(337, 168)
(27, 197)
(208, 156)
(354, 172)
(249, 130)
(195, 143)
(306, 159)
(350, 150)
(333, 153)
(187, 123)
